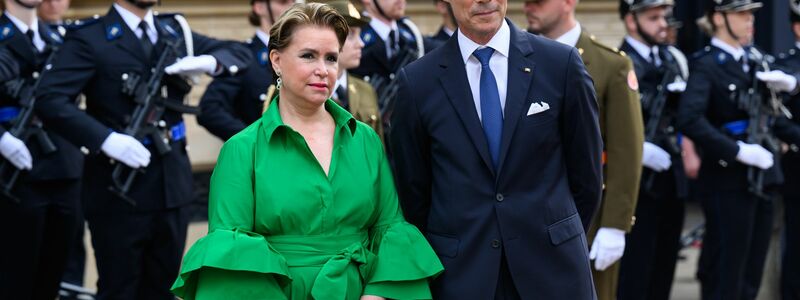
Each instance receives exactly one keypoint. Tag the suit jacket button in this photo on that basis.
(495, 244)
(499, 197)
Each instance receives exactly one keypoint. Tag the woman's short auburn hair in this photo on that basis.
(314, 14)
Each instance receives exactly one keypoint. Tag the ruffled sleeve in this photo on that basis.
(232, 262)
(405, 261)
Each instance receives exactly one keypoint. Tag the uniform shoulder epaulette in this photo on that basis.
(702, 52)
(71, 25)
(600, 45)
(166, 15)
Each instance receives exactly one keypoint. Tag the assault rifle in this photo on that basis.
(25, 126)
(151, 103)
(654, 105)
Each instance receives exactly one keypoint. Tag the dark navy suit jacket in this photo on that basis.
(535, 207)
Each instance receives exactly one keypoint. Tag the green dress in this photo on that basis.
(279, 228)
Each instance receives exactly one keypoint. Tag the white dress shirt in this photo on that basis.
(383, 31)
(133, 23)
(571, 37)
(736, 52)
(644, 50)
(797, 44)
(501, 42)
(263, 36)
(37, 39)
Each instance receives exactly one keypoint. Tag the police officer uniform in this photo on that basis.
(790, 269)
(622, 131)
(39, 226)
(651, 250)
(738, 222)
(232, 103)
(137, 248)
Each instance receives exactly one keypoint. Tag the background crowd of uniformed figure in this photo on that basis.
(665, 118)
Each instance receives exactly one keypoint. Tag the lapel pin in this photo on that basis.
(526, 70)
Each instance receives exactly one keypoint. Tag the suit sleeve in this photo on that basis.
(233, 57)
(582, 144)
(217, 107)
(73, 69)
(692, 119)
(412, 162)
(9, 68)
(624, 136)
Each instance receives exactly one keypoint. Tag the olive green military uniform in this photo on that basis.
(364, 103)
(623, 134)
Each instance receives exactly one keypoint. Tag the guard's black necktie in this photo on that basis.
(341, 95)
(392, 44)
(147, 45)
(29, 34)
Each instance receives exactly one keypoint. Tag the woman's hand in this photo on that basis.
(691, 161)
(369, 297)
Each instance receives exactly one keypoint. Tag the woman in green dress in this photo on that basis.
(302, 202)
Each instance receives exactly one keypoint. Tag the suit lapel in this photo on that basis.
(127, 41)
(520, 76)
(456, 86)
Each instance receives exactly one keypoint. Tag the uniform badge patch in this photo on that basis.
(113, 31)
(6, 31)
(263, 57)
(633, 83)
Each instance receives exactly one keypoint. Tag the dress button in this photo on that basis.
(499, 197)
(495, 244)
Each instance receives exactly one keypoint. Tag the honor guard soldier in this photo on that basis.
(350, 92)
(620, 124)
(731, 112)
(232, 103)
(790, 269)
(391, 41)
(137, 181)
(648, 265)
(40, 171)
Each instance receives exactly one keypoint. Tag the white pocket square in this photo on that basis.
(537, 107)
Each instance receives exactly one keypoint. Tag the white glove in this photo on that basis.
(126, 149)
(778, 80)
(754, 155)
(15, 151)
(655, 158)
(193, 65)
(607, 248)
(677, 87)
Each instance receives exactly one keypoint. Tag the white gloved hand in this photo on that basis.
(126, 149)
(754, 155)
(607, 248)
(193, 65)
(677, 87)
(778, 80)
(655, 158)
(15, 151)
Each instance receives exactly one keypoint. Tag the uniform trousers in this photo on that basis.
(790, 274)
(138, 253)
(38, 235)
(738, 227)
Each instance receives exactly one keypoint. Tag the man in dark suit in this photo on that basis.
(498, 159)
(48, 190)
(231, 103)
(137, 248)
(790, 263)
